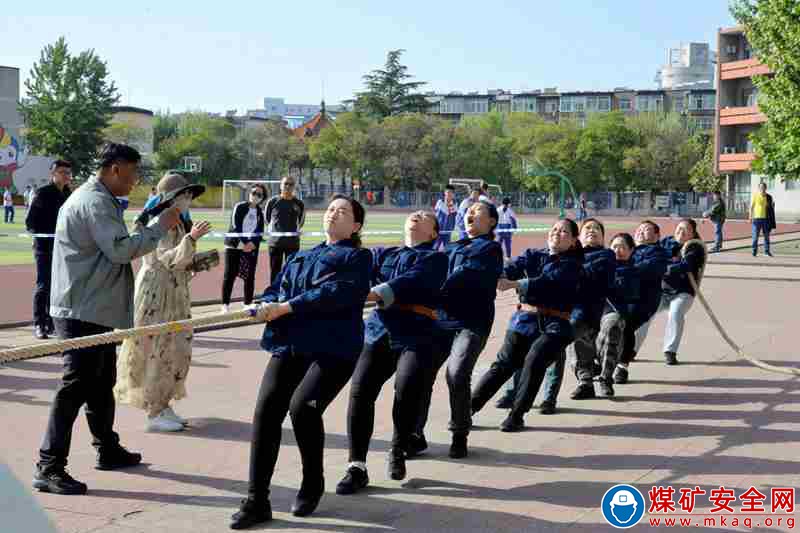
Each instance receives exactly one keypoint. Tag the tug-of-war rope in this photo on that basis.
(252, 315)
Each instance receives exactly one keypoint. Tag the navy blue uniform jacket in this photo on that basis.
(545, 280)
(676, 280)
(650, 262)
(474, 266)
(326, 287)
(597, 280)
(410, 276)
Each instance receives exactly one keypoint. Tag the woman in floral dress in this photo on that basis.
(151, 371)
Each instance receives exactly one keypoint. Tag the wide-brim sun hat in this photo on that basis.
(173, 185)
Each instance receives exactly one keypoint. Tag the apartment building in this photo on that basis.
(738, 117)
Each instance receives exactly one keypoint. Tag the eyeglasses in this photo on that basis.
(256, 194)
(288, 184)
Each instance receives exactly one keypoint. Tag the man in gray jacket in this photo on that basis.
(92, 293)
(716, 214)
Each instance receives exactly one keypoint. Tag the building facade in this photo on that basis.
(738, 117)
(691, 64)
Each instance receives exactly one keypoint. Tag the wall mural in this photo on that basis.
(12, 157)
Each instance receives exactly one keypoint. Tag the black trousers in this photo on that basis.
(233, 258)
(533, 355)
(43, 254)
(375, 366)
(278, 255)
(628, 351)
(89, 378)
(303, 387)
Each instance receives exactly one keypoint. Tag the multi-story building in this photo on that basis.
(738, 117)
(578, 105)
(294, 115)
(689, 64)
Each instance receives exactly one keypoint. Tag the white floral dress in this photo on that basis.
(151, 371)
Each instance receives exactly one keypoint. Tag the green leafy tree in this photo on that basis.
(701, 176)
(165, 126)
(388, 91)
(601, 150)
(126, 133)
(773, 29)
(68, 104)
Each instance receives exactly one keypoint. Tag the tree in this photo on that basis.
(126, 133)
(68, 105)
(601, 150)
(165, 126)
(701, 176)
(773, 29)
(387, 91)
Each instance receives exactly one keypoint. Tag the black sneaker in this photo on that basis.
(620, 375)
(512, 423)
(549, 408)
(353, 481)
(584, 391)
(396, 464)
(506, 401)
(57, 481)
(671, 358)
(116, 458)
(605, 388)
(250, 513)
(416, 445)
(769, 254)
(458, 447)
(40, 332)
(308, 497)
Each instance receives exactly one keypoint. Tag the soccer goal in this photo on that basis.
(469, 183)
(235, 191)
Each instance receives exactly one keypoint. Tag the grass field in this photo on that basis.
(15, 245)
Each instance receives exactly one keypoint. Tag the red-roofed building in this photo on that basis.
(312, 128)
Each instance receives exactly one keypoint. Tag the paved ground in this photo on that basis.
(18, 280)
(711, 421)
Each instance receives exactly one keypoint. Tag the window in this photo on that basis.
(566, 104)
(705, 123)
(649, 102)
(677, 103)
(531, 105)
(791, 185)
(591, 103)
(603, 103)
(709, 101)
(625, 103)
(551, 107)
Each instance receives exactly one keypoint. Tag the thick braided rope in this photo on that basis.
(38, 350)
(757, 362)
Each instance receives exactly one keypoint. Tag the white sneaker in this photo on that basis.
(161, 423)
(172, 415)
(225, 308)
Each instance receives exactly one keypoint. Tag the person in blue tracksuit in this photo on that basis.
(464, 320)
(650, 259)
(541, 329)
(406, 282)
(623, 298)
(446, 213)
(508, 221)
(592, 316)
(688, 256)
(315, 333)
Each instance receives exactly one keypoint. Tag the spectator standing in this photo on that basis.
(716, 214)
(93, 294)
(762, 216)
(474, 195)
(446, 213)
(508, 222)
(27, 197)
(242, 244)
(41, 221)
(284, 215)
(8, 206)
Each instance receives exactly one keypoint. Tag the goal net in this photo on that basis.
(469, 183)
(235, 191)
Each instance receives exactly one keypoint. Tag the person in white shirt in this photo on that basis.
(8, 206)
(508, 221)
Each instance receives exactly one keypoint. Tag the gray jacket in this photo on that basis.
(92, 277)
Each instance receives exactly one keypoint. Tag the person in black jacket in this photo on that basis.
(688, 256)
(650, 260)
(241, 245)
(315, 333)
(284, 215)
(547, 282)
(41, 221)
(406, 282)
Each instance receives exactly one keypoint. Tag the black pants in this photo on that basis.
(628, 351)
(533, 355)
(375, 366)
(89, 378)
(277, 256)
(303, 387)
(43, 254)
(233, 258)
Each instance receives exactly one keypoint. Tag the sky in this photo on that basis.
(177, 56)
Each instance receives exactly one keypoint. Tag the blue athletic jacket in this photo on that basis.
(650, 261)
(545, 280)
(676, 279)
(410, 276)
(326, 287)
(599, 265)
(474, 266)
